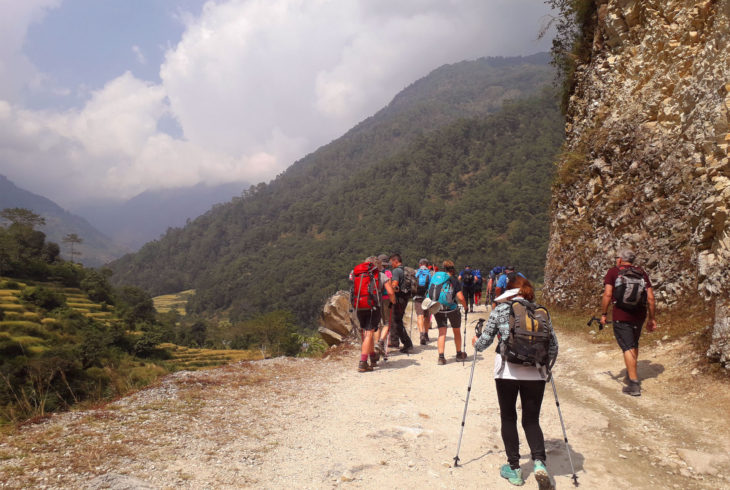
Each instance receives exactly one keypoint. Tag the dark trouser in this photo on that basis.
(531, 393)
(469, 296)
(399, 310)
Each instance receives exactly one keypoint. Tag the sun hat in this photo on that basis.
(431, 305)
(507, 295)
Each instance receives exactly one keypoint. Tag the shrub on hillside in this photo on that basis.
(43, 297)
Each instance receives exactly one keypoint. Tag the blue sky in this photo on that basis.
(108, 98)
(107, 38)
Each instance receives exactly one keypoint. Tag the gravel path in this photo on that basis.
(300, 423)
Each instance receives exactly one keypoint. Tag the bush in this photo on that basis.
(43, 297)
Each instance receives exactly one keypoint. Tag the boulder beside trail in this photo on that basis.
(337, 321)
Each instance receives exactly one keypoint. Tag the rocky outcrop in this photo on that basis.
(337, 320)
(646, 159)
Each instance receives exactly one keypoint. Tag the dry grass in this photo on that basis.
(170, 302)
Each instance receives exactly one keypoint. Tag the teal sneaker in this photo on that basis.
(542, 476)
(513, 476)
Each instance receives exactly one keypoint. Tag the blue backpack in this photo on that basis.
(442, 290)
(423, 277)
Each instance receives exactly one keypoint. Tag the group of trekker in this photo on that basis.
(527, 345)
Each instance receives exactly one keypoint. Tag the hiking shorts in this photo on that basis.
(627, 335)
(444, 318)
(369, 319)
(417, 302)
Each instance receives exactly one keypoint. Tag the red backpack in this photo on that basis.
(365, 286)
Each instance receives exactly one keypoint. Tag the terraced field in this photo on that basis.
(170, 302)
(24, 329)
(193, 359)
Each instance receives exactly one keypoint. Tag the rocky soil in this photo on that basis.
(299, 423)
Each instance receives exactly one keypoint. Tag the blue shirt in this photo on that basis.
(502, 281)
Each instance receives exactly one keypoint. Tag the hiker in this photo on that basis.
(364, 294)
(514, 379)
(386, 305)
(401, 301)
(423, 279)
(507, 275)
(467, 286)
(443, 294)
(492, 283)
(478, 285)
(629, 289)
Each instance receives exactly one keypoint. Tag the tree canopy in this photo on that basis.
(475, 191)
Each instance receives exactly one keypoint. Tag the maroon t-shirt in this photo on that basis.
(619, 315)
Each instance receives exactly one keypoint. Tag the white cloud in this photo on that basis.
(16, 71)
(253, 84)
(141, 58)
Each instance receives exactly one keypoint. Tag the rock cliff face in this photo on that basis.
(646, 158)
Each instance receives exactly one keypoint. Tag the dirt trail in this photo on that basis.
(287, 423)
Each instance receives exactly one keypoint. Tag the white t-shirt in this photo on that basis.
(515, 371)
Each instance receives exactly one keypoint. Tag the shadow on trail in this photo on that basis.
(557, 459)
(398, 362)
(474, 460)
(645, 368)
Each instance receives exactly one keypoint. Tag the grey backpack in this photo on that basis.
(629, 290)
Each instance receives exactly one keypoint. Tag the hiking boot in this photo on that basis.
(513, 476)
(380, 348)
(542, 476)
(460, 356)
(442, 361)
(364, 367)
(633, 389)
(406, 350)
(424, 339)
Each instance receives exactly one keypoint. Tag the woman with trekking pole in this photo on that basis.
(513, 378)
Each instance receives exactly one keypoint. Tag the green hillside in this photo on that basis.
(476, 190)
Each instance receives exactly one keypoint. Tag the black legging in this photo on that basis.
(531, 393)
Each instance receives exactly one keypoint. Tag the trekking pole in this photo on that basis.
(478, 332)
(410, 329)
(464, 348)
(598, 320)
(565, 436)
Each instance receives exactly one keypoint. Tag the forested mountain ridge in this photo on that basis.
(146, 216)
(472, 190)
(96, 248)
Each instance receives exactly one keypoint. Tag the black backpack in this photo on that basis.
(409, 284)
(629, 290)
(529, 337)
(467, 278)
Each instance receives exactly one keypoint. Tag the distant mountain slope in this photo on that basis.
(148, 215)
(96, 249)
(413, 178)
